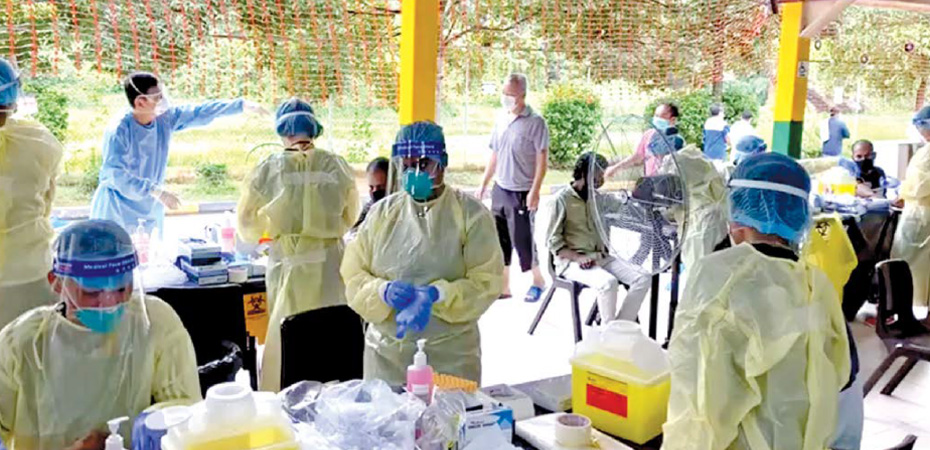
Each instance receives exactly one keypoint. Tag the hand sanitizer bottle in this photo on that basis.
(420, 375)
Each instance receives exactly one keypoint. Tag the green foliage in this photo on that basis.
(573, 114)
(211, 176)
(694, 109)
(89, 178)
(362, 137)
(52, 103)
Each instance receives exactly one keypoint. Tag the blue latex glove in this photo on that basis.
(416, 316)
(399, 294)
(850, 166)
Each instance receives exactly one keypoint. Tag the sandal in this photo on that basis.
(533, 295)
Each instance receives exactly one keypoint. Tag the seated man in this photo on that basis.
(581, 255)
(377, 173)
(871, 178)
(760, 349)
(102, 352)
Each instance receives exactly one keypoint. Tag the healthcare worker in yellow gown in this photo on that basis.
(305, 199)
(426, 263)
(105, 350)
(29, 162)
(759, 353)
(707, 216)
(912, 239)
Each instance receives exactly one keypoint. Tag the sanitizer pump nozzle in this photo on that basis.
(115, 441)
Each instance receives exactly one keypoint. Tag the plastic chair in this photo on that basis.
(899, 330)
(322, 345)
(574, 288)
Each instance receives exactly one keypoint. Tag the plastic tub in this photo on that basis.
(233, 417)
(621, 393)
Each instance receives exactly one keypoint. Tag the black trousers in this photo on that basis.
(514, 226)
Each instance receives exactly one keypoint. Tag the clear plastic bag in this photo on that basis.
(441, 424)
(353, 415)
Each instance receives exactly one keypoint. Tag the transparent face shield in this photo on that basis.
(771, 208)
(636, 211)
(416, 168)
(98, 280)
(160, 99)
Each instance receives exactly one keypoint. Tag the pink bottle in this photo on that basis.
(228, 235)
(420, 375)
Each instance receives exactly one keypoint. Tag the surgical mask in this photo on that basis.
(418, 184)
(101, 320)
(660, 123)
(509, 102)
(378, 194)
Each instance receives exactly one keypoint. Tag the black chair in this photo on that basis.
(574, 288)
(903, 335)
(324, 345)
(215, 318)
(906, 444)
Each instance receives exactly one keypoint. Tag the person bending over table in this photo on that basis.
(425, 264)
(105, 350)
(760, 349)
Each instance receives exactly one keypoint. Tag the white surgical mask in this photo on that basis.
(509, 102)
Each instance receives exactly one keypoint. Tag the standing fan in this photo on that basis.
(641, 211)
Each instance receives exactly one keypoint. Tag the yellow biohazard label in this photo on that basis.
(256, 315)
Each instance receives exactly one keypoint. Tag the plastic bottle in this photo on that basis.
(420, 375)
(141, 240)
(228, 234)
(115, 441)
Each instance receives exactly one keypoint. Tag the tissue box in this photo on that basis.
(205, 275)
(490, 416)
(520, 403)
(198, 249)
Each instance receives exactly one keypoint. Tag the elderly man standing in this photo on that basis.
(519, 160)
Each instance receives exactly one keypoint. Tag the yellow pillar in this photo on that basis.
(793, 72)
(418, 64)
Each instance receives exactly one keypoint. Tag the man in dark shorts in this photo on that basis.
(520, 145)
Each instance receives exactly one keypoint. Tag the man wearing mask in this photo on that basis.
(666, 116)
(135, 152)
(377, 174)
(29, 162)
(871, 177)
(519, 160)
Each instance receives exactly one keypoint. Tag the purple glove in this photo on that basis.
(399, 294)
(416, 316)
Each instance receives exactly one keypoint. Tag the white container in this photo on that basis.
(624, 340)
(233, 417)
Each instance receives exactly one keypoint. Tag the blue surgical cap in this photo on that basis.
(295, 117)
(94, 249)
(423, 133)
(769, 192)
(922, 118)
(9, 83)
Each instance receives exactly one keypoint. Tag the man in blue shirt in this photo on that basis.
(135, 152)
(833, 132)
(715, 134)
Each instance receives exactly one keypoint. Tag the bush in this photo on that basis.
(89, 178)
(694, 109)
(362, 136)
(52, 104)
(573, 114)
(212, 176)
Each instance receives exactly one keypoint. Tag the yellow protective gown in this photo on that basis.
(707, 204)
(60, 381)
(450, 243)
(758, 355)
(29, 160)
(305, 201)
(830, 250)
(912, 239)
